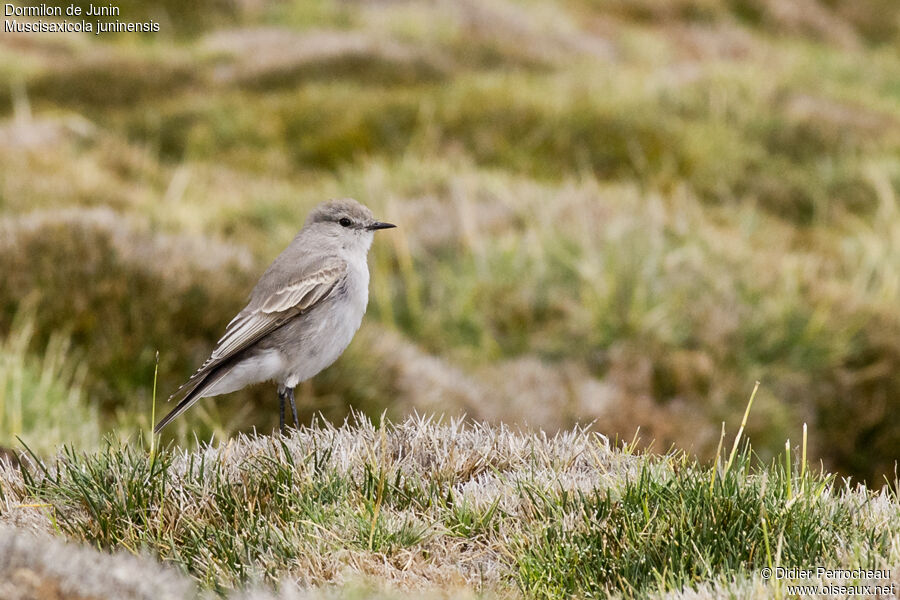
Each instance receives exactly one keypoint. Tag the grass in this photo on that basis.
(675, 533)
(42, 396)
(421, 504)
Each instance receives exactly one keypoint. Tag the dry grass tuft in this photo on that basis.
(446, 537)
(423, 505)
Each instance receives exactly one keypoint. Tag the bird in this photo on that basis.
(301, 315)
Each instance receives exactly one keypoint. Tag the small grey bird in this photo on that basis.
(302, 313)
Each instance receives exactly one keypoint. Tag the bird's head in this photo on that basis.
(347, 220)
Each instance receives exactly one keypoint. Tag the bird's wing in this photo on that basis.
(287, 301)
(271, 310)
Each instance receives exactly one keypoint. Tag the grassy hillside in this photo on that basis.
(435, 509)
(617, 213)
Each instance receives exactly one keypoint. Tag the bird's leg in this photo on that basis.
(290, 395)
(282, 392)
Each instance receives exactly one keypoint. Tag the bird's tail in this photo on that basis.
(180, 408)
(195, 390)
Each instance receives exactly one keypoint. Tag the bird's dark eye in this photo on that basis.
(345, 222)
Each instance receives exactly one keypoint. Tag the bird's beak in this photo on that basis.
(380, 225)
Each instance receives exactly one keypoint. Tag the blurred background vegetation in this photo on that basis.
(612, 211)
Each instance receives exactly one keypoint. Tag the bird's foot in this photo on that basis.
(282, 392)
(290, 395)
(286, 393)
